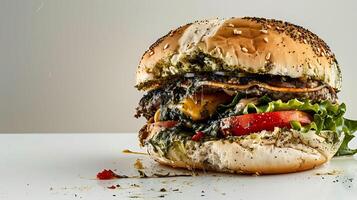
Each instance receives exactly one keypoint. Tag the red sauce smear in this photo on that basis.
(106, 174)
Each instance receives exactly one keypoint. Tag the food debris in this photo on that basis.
(134, 197)
(135, 185)
(333, 172)
(163, 190)
(138, 164)
(108, 174)
(161, 196)
(133, 152)
(112, 187)
(175, 190)
(142, 174)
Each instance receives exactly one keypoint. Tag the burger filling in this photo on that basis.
(203, 107)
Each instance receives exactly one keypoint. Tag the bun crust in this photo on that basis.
(252, 45)
(267, 152)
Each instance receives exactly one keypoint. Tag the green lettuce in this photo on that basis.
(326, 116)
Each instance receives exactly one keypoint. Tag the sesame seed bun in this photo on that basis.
(252, 45)
(266, 152)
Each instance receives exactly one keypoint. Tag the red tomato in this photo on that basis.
(251, 123)
(198, 136)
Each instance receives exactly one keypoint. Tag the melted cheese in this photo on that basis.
(263, 85)
(201, 107)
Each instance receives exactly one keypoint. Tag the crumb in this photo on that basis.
(135, 185)
(163, 190)
(333, 172)
(138, 164)
(111, 187)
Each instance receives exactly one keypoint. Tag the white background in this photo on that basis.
(69, 65)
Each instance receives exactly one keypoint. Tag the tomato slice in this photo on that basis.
(198, 136)
(251, 123)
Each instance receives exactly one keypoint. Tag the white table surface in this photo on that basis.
(64, 166)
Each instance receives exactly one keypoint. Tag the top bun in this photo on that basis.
(246, 45)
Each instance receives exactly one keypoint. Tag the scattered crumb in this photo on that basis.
(134, 197)
(142, 174)
(163, 190)
(138, 164)
(112, 187)
(333, 172)
(135, 185)
(161, 196)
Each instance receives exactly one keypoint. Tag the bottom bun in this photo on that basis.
(266, 152)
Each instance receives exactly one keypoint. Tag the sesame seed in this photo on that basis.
(237, 32)
(305, 41)
(245, 50)
(267, 57)
(166, 46)
(151, 53)
(264, 31)
(171, 33)
(268, 26)
(266, 39)
(279, 28)
(231, 25)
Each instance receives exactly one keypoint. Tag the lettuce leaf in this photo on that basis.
(350, 126)
(326, 115)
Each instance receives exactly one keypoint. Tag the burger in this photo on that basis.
(242, 95)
